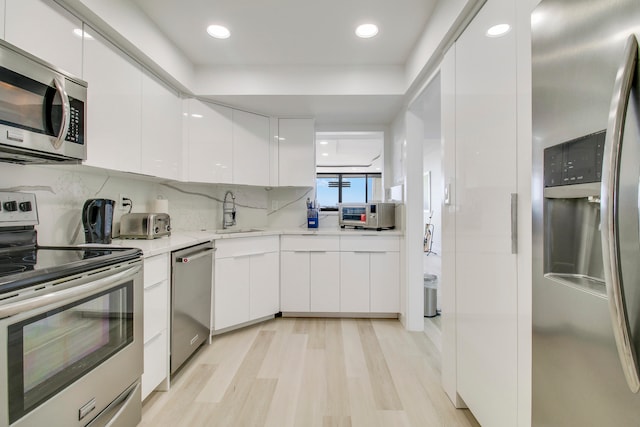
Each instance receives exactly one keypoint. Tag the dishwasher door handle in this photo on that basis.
(189, 258)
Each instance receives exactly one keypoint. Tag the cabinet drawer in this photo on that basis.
(310, 243)
(156, 269)
(156, 308)
(156, 362)
(243, 246)
(370, 243)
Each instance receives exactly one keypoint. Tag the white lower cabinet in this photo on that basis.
(354, 282)
(370, 274)
(246, 280)
(156, 323)
(324, 282)
(332, 274)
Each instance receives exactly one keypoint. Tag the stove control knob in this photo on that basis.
(168, 228)
(25, 207)
(156, 230)
(10, 206)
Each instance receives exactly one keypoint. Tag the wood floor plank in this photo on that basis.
(362, 404)
(336, 379)
(312, 397)
(282, 411)
(384, 390)
(336, 421)
(355, 363)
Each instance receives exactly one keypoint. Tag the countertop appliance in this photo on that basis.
(42, 110)
(586, 170)
(97, 220)
(71, 346)
(191, 288)
(145, 225)
(374, 215)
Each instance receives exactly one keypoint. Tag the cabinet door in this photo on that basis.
(385, 282)
(210, 145)
(161, 133)
(354, 282)
(231, 297)
(486, 270)
(294, 284)
(250, 148)
(156, 362)
(296, 152)
(113, 107)
(265, 285)
(45, 30)
(325, 282)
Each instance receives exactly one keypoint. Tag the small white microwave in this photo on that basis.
(374, 215)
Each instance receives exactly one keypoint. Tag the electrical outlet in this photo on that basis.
(122, 203)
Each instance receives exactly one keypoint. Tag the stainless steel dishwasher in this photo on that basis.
(191, 282)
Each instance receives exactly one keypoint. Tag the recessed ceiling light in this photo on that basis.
(366, 31)
(324, 142)
(498, 30)
(78, 32)
(325, 154)
(282, 138)
(218, 31)
(197, 116)
(377, 169)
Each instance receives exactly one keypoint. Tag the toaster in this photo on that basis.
(145, 225)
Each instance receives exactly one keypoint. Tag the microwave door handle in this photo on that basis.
(66, 113)
(609, 213)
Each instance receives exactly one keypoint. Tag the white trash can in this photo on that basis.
(430, 295)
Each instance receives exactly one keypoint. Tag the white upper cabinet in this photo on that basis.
(209, 142)
(161, 142)
(45, 30)
(113, 106)
(296, 153)
(250, 148)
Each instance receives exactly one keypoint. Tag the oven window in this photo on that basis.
(51, 350)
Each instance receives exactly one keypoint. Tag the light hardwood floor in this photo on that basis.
(310, 372)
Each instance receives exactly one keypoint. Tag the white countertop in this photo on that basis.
(183, 239)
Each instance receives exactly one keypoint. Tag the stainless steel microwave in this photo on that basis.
(374, 215)
(42, 110)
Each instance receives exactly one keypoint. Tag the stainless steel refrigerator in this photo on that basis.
(586, 225)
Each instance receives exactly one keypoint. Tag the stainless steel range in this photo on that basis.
(70, 328)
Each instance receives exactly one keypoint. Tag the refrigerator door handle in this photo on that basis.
(609, 213)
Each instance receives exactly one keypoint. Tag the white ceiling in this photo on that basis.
(285, 32)
(301, 33)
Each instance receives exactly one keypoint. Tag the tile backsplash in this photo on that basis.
(61, 191)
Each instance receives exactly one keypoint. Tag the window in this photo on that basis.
(334, 188)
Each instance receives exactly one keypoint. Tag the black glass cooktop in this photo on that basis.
(20, 268)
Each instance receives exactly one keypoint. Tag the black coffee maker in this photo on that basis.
(97, 219)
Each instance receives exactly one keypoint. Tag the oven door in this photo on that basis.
(71, 350)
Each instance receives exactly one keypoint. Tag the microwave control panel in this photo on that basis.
(578, 161)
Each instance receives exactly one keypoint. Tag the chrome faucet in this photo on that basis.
(229, 212)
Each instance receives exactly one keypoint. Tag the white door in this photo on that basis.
(231, 292)
(354, 282)
(486, 274)
(265, 285)
(250, 148)
(385, 282)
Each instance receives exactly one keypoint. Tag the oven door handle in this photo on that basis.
(76, 292)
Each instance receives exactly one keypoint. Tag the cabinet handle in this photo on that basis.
(154, 337)
(514, 223)
(155, 285)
